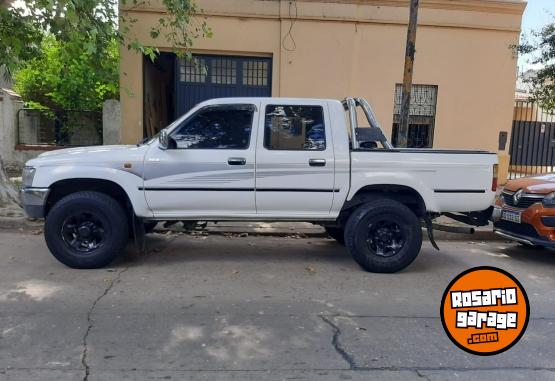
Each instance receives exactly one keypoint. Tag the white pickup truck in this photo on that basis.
(261, 159)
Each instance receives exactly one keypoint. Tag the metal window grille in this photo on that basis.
(224, 71)
(192, 71)
(423, 103)
(423, 100)
(255, 73)
(223, 76)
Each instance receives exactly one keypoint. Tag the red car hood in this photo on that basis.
(541, 184)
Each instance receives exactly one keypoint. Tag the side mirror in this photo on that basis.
(166, 141)
(163, 139)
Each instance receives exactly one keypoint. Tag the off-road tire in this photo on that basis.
(109, 215)
(364, 219)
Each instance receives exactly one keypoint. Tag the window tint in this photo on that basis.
(217, 127)
(294, 128)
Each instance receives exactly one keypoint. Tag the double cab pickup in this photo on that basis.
(259, 159)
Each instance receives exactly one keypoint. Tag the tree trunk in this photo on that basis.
(10, 204)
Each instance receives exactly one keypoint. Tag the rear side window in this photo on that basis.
(217, 127)
(294, 128)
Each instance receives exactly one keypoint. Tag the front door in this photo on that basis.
(210, 172)
(294, 160)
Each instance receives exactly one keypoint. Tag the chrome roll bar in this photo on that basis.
(351, 104)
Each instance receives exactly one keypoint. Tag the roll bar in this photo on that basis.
(351, 104)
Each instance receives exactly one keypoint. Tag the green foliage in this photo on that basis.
(65, 53)
(89, 27)
(61, 77)
(543, 84)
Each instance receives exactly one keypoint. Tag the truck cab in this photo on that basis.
(251, 158)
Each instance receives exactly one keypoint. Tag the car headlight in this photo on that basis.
(549, 200)
(28, 175)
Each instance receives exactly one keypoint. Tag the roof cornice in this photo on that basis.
(490, 6)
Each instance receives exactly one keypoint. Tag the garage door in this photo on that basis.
(209, 76)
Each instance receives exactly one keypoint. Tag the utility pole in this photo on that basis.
(403, 130)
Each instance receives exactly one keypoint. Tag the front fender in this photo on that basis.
(129, 181)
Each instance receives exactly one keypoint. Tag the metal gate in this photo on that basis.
(208, 76)
(532, 147)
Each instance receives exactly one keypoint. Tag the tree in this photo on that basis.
(59, 80)
(543, 83)
(88, 27)
(85, 30)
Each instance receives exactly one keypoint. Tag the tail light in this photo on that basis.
(494, 180)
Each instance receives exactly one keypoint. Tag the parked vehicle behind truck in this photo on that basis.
(525, 211)
(263, 159)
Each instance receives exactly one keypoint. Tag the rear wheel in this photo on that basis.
(383, 236)
(337, 234)
(86, 230)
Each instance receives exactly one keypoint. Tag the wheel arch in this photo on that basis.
(62, 188)
(402, 193)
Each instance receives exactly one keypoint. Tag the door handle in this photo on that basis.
(317, 162)
(236, 161)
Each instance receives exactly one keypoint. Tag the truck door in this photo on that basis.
(294, 159)
(210, 172)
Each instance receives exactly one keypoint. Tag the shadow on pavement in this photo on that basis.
(161, 249)
(528, 254)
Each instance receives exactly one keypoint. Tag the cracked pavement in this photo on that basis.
(255, 308)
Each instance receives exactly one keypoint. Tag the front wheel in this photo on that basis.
(86, 230)
(383, 236)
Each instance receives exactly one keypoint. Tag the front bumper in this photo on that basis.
(529, 240)
(34, 201)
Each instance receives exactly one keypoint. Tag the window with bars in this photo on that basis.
(422, 114)
(224, 71)
(255, 73)
(192, 71)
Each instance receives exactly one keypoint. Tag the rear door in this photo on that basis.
(294, 159)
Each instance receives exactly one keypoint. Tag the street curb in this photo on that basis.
(26, 225)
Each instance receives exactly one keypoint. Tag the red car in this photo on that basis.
(525, 211)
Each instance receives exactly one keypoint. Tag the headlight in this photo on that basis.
(28, 175)
(549, 200)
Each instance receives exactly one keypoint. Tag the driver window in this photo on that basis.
(217, 127)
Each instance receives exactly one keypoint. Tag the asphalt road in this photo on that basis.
(255, 308)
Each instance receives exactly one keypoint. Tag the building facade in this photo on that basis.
(464, 75)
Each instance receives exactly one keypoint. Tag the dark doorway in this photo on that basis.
(158, 93)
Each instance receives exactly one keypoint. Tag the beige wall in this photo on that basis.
(358, 50)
